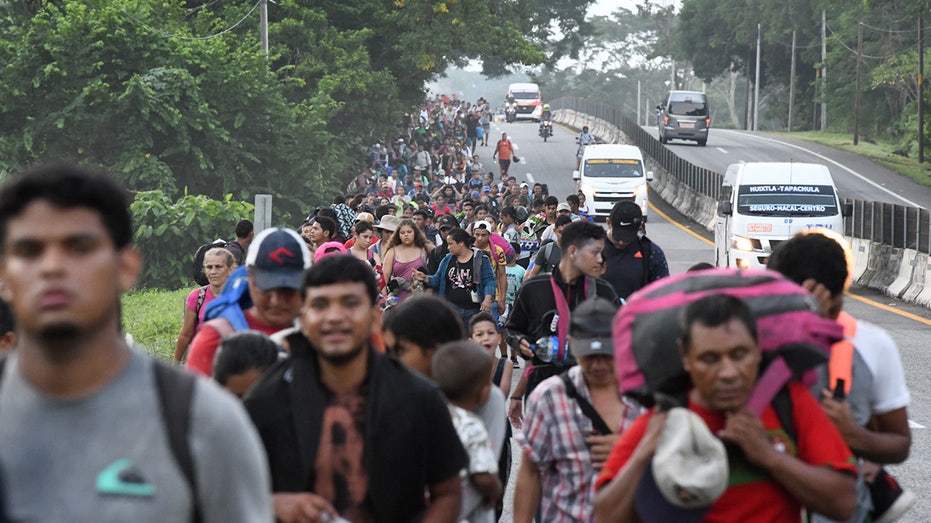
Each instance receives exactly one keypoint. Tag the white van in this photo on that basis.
(765, 203)
(610, 173)
(528, 98)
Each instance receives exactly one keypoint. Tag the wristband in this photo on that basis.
(516, 399)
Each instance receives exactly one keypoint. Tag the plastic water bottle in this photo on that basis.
(546, 349)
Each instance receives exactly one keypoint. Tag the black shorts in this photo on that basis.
(504, 164)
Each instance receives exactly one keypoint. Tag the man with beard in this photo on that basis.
(330, 416)
(89, 429)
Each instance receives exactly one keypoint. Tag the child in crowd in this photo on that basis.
(484, 331)
(242, 358)
(515, 276)
(462, 370)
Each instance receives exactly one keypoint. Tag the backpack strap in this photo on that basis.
(840, 366)
(598, 423)
(782, 404)
(496, 379)
(591, 287)
(646, 251)
(201, 296)
(548, 257)
(175, 391)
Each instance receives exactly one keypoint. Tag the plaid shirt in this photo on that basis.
(553, 437)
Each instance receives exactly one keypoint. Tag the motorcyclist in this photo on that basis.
(584, 138)
(545, 116)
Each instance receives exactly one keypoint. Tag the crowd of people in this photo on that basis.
(373, 349)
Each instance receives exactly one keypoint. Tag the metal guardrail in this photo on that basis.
(899, 226)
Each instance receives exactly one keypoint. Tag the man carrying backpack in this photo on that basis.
(538, 324)
(571, 423)
(266, 296)
(862, 389)
(774, 471)
(90, 429)
(245, 232)
(631, 259)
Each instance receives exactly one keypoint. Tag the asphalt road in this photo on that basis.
(685, 244)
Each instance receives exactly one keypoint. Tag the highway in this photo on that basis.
(686, 244)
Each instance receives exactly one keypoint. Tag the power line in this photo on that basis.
(853, 51)
(191, 38)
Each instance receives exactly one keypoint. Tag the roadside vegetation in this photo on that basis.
(153, 318)
(882, 152)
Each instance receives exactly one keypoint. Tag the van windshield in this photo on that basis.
(525, 95)
(786, 200)
(688, 107)
(613, 168)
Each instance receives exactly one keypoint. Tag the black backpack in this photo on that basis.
(197, 269)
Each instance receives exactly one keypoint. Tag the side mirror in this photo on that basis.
(727, 209)
(847, 210)
(649, 176)
(576, 175)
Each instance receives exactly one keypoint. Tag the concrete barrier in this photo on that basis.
(899, 273)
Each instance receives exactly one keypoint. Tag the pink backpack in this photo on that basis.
(793, 337)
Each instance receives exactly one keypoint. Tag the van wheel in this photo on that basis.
(702, 142)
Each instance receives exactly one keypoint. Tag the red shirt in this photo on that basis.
(205, 343)
(504, 149)
(751, 495)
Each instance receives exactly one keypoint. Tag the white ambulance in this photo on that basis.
(765, 203)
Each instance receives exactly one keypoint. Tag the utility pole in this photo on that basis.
(856, 96)
(638, 102)
(921, 87)
(792, 82)
(263, 25)
(824, 72)
(756, 86)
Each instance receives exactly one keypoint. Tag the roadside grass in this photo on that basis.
(880, 152)
(154, 317)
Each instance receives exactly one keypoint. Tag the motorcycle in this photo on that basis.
(510, 112)
(546, 129)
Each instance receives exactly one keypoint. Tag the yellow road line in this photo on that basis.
(857, 297)
(679, 225)
(887, 308)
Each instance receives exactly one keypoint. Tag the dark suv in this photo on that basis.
(684, 116)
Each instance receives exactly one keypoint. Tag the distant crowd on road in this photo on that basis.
(369, 359)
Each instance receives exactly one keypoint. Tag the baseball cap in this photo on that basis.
(590, 328)
(389, 222)
(327, 249)
(447, 221)
(475, 194)
(486, 188)
(563, 207)
(418, 184)
(664, 492)
(277, 259)
(525, 184)
(365, 216)
(626, 218)
(482, 224)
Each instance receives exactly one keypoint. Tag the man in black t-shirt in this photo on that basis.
(328, 415)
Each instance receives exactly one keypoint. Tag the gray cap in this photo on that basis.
(590, 328)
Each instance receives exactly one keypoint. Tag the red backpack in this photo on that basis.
(793, 337)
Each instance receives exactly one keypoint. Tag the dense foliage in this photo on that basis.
(178, 97)
(711, 45)
(169, 231)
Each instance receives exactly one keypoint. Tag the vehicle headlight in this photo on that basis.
(742, 244)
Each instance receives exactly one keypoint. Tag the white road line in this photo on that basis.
(913, 425)
(721, 149)
(529, 177)
(825, 158)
